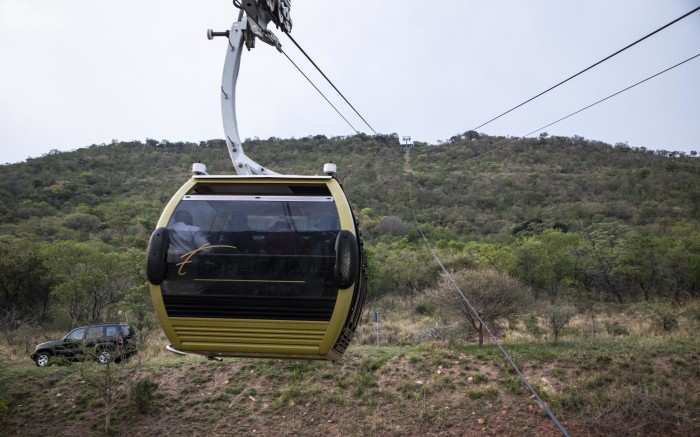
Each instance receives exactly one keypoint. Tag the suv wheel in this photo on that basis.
(103, 357)
(43, 359)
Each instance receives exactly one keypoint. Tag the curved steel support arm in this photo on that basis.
(242, 163)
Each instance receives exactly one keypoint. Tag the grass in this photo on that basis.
(479, 378)
(618, 382)
(513, 384)
(633, 384)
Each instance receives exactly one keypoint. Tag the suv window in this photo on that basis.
(111, 331)
(76, 335)
(126, 331)
(94, 333)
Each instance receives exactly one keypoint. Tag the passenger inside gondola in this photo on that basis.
(184, 236)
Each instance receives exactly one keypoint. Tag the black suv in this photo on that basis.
(100, 342)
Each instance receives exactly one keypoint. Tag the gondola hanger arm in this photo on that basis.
(252, 23)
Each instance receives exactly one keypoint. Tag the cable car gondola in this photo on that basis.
(257, 264)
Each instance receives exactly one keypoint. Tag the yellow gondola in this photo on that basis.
(267, 266)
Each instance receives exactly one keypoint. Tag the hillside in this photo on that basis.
(619, 223)
(604, 240)
(456, 185)
(567, 180)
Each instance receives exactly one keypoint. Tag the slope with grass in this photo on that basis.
(643, 383)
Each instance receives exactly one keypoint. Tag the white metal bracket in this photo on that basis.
(248, 27)
(242, 163)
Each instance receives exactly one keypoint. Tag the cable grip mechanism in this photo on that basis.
(211, 34)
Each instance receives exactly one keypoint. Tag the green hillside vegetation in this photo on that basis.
(589, 240)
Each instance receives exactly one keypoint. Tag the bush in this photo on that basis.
(615, 328)
(692, 311)
(142, 394)
(427, 309)
(558, 317)
(662, 315)
(666, 320)
(4, 408)
(532, 324)
(494, 294)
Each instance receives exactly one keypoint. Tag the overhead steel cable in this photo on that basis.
(319, 91)
(586, 107)
(329, 81)
(614, 94)
(588, 68)
(471, 308)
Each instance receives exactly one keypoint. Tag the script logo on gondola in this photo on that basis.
(187, 257)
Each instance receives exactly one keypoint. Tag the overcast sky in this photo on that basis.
(80, 72)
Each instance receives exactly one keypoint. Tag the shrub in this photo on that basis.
(4, 408)
(692, 311)
(558, 317)
(661, 315)
(666, 320)
(615, 328)
(142, 394)
(532, 324)
(427, 309)
(492, 293)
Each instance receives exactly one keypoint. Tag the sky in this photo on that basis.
(81, 72)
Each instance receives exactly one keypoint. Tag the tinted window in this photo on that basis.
(263, 257)
(127, 331)
(94, 333)
(212, 214)
(76, 334)
(111, 331)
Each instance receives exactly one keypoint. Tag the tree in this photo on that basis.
(684, 258)
(137, 301)
(598, 258)
(639, 262)
(106, 379)
(75, 266)
(91, 280)
(493, 295)
(497, 256)
(400, 268)
(12, 323)
(394, 226)
(25, 283)
(546, 260)
(558, 317)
